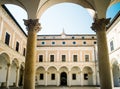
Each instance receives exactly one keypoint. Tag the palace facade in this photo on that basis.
(64, 59)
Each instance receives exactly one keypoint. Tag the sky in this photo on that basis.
(72, 18)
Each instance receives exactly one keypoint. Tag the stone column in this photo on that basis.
(81, 73)
(46, 78)
(17, 76)
(8, 75)
(69, 78)
(99, 26)
(58, 78)
(33, 27)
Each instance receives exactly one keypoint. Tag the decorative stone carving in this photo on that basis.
(32, 25)
(100, 24)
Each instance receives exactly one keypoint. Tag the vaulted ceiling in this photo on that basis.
(35, 8)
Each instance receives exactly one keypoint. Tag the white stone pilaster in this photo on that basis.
(17, 76)
(81, 74)
(8, 75)
(1, 28)
(46, 78)
(58, 78)
(69, 78)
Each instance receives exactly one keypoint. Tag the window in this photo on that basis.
(63, 58)
(93, 37)
(74, 76)
(40, 58)
(7, 38)
(87, 58)
(73, 37)
(53, 43)
(42, 43)
(84, 42)
(17, 46)
(75, 58)
(24, 52)
(95, 42)
(41, 76)
(51, 58)
(52, 76)
(85, 76)
(74, 42)
(63, 42)
(83, 37)
(111, 46)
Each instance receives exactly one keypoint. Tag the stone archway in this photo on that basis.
(63, 79)
(21, 75)
(87, 76)
(4, 61)
(40, 76)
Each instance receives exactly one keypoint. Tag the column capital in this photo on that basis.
(32, 24)
(100, 24)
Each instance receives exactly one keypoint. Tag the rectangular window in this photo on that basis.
(75, 58)
(85, 76)
(63, 58)
(111, 46)
(17, 46)
(51, 58)
(86, 58)
(74, 76)
(41, 76)
(40, 58)
(52, 76)
(7, 38)
(24, 52)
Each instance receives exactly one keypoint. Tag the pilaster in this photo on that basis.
(8, 75)
(17, 76)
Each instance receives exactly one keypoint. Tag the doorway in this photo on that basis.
(63, 79)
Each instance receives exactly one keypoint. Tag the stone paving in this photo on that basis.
(61, 87)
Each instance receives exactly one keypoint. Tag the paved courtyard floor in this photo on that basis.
(61, 87)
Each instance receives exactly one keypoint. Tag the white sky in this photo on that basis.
(73, 18)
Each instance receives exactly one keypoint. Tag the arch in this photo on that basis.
(4, 61)
(40, 71)
(76, 67)
(63, 79)
(5, 56)
(16, 61)
(21, 74)
(14, 2)
(53, 67)
(40, 68)
(13, 73)
(116, 73)
(114, 2)
(63, 68)
(88, 75)
(49, 3)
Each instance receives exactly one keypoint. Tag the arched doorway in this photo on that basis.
(21, 75)
(63, 79)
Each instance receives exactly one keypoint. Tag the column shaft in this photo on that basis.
(103, 58)
(29, 76)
